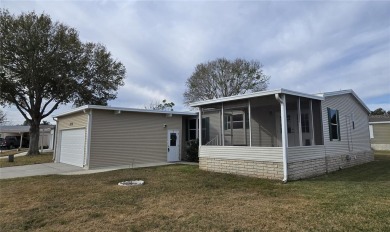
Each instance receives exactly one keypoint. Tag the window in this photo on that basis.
(334, 124)
(192, 129)
(227, 122)
(305, 123)
(238, 121)
(173, 138)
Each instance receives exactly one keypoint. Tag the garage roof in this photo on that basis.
(120, 109)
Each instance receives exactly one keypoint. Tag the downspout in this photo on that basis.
(55, 140)
(89, 129)
(282, 102)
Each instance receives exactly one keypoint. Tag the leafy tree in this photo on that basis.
(378, 111)
(164, 106)
(3, 117)
(222, 78)
(27, 123)
(44, 64)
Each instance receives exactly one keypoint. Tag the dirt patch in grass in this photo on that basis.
(27, 160)
(184, 198)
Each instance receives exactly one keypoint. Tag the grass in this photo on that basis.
(26, 160)
(12, 152)
(184, 198)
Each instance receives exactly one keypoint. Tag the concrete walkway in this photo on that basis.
(66, 169)
(37, 170)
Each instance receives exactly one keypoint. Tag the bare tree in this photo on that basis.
(222, 78)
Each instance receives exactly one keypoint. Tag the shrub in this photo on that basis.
(192, 151)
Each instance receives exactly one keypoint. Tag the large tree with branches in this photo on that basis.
(44, 64)
(2, 117)
(223, 78)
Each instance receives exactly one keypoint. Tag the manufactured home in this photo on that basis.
(46, 134)
(278, 134)
(283, 134)
(380, 132)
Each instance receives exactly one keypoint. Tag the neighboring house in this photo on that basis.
(283, 134)
(380, 132)
(46, 136)
(99, 136)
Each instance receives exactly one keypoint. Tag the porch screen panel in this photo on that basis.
(265, 122)
(236, 127)
(292, 120)
(306, 128)
(211, 127)
(317, 121)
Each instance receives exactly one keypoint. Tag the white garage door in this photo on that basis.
(72, 147)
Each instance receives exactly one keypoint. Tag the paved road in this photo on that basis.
(37, 170)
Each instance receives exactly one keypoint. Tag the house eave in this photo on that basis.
(342, 92)
(255, 94)
(121, 109)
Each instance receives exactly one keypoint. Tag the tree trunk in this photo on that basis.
(34, 138)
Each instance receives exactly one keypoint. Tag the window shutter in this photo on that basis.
(329, 125)
(338, 124)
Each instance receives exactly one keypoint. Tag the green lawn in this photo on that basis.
(184, 198)
(26, 160)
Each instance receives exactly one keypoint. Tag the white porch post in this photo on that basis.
(299, 122)
(250, 124)
(283, 114)
(200, 127)
(312, 123)
(222, 126)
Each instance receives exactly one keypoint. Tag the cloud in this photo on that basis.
(304, 46)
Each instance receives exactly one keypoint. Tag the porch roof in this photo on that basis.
(256, 94)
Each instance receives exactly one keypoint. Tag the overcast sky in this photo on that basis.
(304, 46)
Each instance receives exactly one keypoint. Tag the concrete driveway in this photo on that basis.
(38, 170)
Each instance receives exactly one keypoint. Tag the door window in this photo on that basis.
(173, 138)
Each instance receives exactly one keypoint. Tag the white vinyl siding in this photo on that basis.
(296, 154)
(352, 140)
(130, 138)
(272, 154)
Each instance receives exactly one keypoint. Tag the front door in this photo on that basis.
(173, 145)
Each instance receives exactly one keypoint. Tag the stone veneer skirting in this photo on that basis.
(260, 169)
(274, 170)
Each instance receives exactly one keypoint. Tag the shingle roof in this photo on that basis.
(379, 118)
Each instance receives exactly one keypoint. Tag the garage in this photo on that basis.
(72, 147)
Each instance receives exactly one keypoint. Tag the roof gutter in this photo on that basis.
(282, 101)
